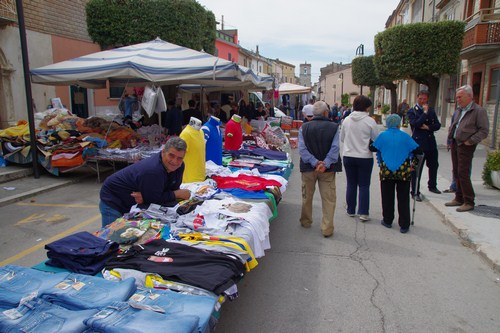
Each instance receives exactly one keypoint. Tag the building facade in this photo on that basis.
(226, 45)
(55, 31)
(480, 54)
(334, 81)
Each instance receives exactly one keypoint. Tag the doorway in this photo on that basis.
(79, 101)
(477, 78)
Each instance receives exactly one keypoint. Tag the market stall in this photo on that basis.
(163, 269)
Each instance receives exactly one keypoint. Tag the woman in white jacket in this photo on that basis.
(357, 131)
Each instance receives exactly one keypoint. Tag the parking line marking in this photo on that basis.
(56, 205)
(40, 245)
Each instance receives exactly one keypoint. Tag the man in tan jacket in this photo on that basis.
(470, 126)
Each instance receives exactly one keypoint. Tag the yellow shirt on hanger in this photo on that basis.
(194, 160)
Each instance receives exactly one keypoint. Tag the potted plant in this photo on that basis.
(491, 169)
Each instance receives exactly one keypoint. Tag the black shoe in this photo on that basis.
(417, 197)
(435, 190)
(387, 225)
(404, 230)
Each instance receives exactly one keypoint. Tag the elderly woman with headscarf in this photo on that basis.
(396, 152)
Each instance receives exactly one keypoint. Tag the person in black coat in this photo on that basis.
(424, 122)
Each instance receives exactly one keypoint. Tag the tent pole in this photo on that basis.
(27, 85)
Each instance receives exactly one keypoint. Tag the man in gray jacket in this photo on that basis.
(319, 161)
(470, 126)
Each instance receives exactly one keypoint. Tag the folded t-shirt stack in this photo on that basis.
(81, 253)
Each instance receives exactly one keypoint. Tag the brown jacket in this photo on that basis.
(473, 127)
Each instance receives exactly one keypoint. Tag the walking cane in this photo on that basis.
(420, 159)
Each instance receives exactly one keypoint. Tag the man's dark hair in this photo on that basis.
(191, 103)
(361, 103)
(175, 142)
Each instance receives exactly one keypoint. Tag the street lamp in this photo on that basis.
(360, 51)
(341, 79)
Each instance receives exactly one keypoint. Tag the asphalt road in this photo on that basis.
(366, 278)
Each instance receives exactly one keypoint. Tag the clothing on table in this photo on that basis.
(80, 292)
(81, 252)
(209, 270)
(213, 138)
(194, 159)
(17, 282)
(253, 183)
(125, 318)
(38, 315)
(233, 135)
(175, 303)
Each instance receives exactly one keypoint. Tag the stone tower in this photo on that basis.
(305, 74)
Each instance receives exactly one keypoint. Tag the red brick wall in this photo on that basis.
(65, 18)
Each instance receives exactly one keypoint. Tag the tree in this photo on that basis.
(114, 23)
(421, 52)
(364, 73)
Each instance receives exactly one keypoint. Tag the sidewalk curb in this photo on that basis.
(9, 175)
(31, 193)
(485, 251)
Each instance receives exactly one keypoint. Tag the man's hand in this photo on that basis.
(425, 107)
(468, 143)
(182, 194)
(448, 147)
(320, 167)
(424, 127)
(137, 197)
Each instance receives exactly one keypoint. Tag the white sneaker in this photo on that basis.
(364, 218)
(351, 215)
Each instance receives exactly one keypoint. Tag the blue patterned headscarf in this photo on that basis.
(392, 121)
(394, 146)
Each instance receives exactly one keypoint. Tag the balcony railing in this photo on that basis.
(482, 28)
(8, 13)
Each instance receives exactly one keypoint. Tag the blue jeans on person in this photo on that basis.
(40, 316)
(109, 215)
(92, 292)
(120, 317)
(358, 172)
(17, 282)
(177, 303)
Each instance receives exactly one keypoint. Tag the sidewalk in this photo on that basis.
(480, 228)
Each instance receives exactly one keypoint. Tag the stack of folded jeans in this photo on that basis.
(18, 282)
(81, 253)
(124, 318)
(38, 315)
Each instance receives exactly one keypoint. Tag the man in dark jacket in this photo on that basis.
(469, 127)
(155, 179)
(424, 122)
(319, 161)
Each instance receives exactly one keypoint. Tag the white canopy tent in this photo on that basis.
(155, 62)
(290, 88)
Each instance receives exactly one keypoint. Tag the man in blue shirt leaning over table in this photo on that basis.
(155, 179)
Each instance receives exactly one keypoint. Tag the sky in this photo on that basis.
(318, 32)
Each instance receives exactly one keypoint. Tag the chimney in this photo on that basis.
(257, 49)
(222, 24)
